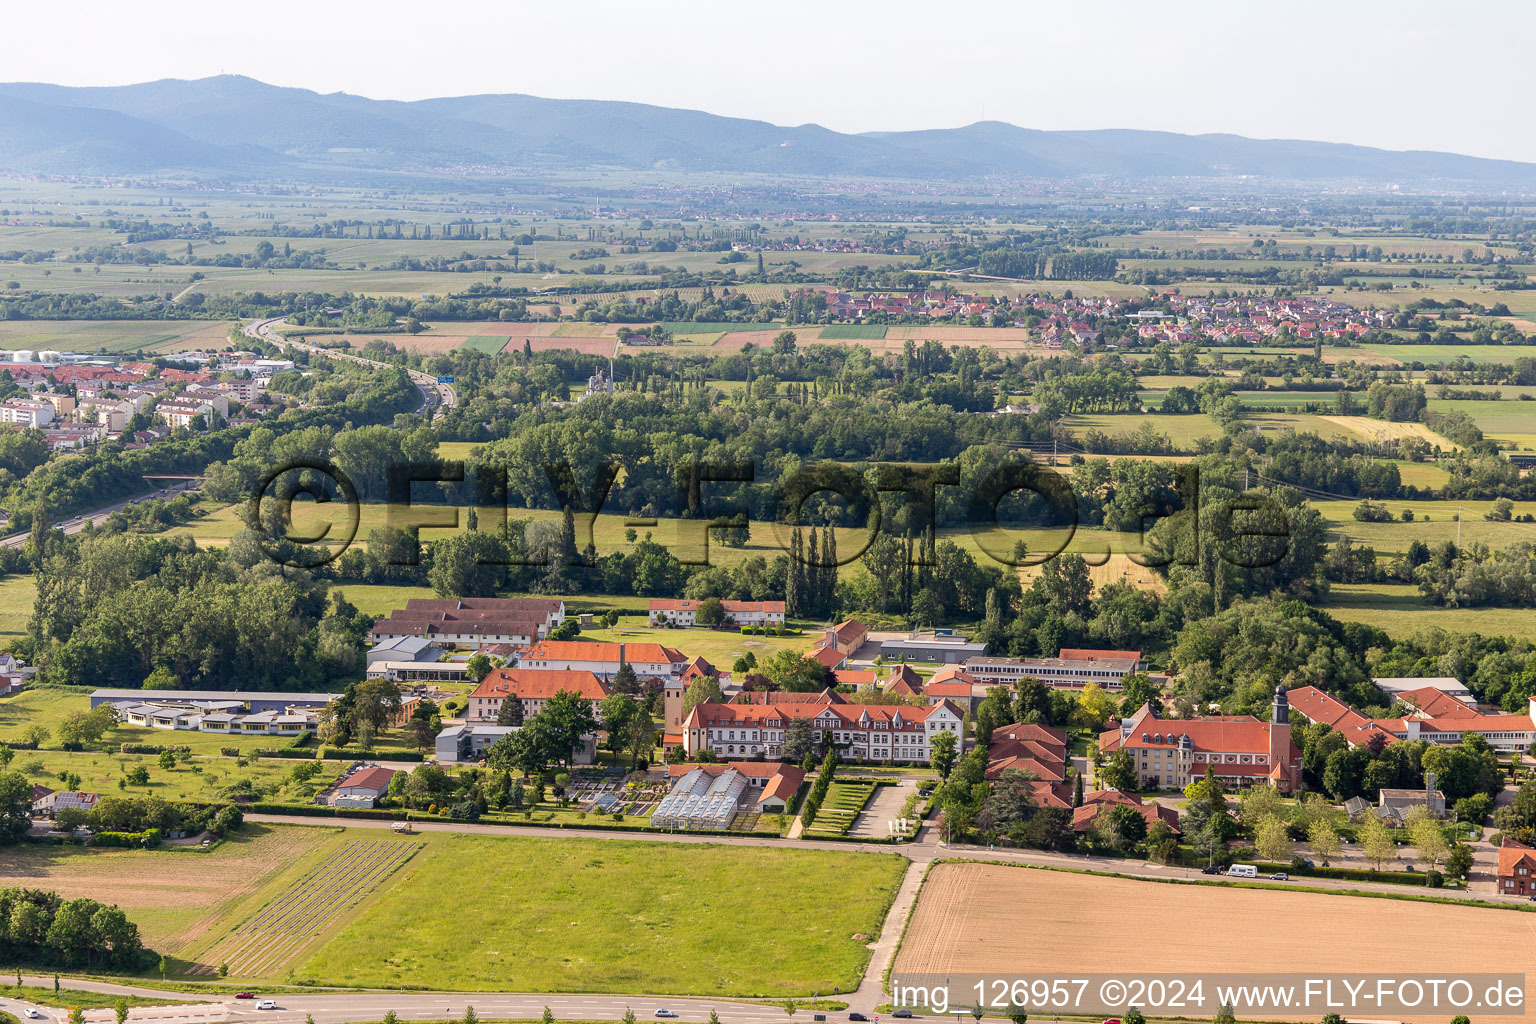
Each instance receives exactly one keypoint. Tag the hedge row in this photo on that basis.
(151, 748)
(1346, 874)
(146, 840)
(321, 811)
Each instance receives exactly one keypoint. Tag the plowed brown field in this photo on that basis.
(980, 918)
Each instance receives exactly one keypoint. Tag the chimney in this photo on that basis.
(1429, 785)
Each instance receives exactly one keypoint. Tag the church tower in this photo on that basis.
(1281, 773)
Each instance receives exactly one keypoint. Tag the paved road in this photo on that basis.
(435, 395)
(97, 516)
(337, 1007)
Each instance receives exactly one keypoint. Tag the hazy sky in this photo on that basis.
(1403, 74)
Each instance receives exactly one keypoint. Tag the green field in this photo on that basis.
(489, 344)
(853, 332)
(1400, 610)
(1434, 523)
(1184, 430)
(17, 596)
(1436, 354)
(717, 327)
(581, 915)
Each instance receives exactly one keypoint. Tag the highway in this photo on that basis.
(97, 516)
(435, 395)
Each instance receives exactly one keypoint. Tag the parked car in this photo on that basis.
(665, 1013)
(903, 1012)
(1210, 871)
(267, 1004)
(857, 1017)
(1279, 876)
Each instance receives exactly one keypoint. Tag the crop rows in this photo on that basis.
(283, 927)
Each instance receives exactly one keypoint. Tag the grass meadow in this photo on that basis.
(586, 915)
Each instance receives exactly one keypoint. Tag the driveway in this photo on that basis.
(883, 807)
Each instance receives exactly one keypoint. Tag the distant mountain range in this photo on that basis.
(232, 126)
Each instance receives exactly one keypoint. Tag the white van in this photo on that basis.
(1243, 871)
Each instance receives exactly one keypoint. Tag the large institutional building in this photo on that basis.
(1241, 750)
(473, 621)
(860, 732)
(1434, 715)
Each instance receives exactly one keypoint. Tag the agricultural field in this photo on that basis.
(1433, 355)
(967, 921)
(549, 915)
(1184, 429)
(115, 337)
(177, 896)
(1399, 609)
(1382, 430)
(312, 900)
(1434, 522)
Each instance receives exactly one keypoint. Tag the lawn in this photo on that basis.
(580, 915)
(720, 648)
(853, 332)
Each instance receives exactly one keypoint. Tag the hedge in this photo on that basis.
(151, 748)
(146, 840)
(321, 811)
(289, 752)
(1347, 874)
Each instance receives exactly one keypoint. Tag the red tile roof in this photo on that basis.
(602, 651)
(372, 777)
(540, 684)
(1512, 854)
(1089, 654)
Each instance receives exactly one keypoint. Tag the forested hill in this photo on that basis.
(236, 126)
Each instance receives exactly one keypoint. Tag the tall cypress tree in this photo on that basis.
(829, 570)
(793, 581)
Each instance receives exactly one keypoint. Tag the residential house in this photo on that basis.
(1516, 874)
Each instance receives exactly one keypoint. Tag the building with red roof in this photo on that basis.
(1240, 751)
(1516, 875)
(533, 687)
(603, 658)
(860, 732)
(737, 613)
(1434, 717)
(1098, 801)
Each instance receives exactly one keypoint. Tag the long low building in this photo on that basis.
(174, 716)
(473, 620)
(249, 699)
(1434, 717)
(943, 646)
(737, 613)
(860, 732)
(604, 658)
(1061, 673)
